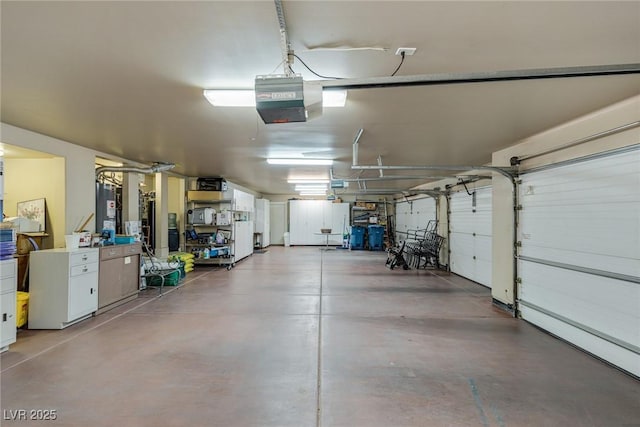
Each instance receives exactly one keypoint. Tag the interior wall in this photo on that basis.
(176, 203)
(28, 179)
(79, 176)
(176, 197)
(600, 121)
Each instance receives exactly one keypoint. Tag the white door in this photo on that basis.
(413, 215)
(277, 222)
(579, 261)
(308, 217)
(470, 235)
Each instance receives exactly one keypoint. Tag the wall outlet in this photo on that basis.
(408, 51)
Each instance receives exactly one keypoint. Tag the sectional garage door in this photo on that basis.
(579, 263)
(470, 235)
(414, 215)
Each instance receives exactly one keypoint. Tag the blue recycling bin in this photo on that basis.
(357, 237)
(376, 238)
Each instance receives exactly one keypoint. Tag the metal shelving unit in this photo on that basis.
(199, 237)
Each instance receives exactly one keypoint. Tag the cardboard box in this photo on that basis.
(84, 238)
(203, 196)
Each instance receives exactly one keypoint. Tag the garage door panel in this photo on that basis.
(483, 272)
(462, 243)
(461, 259)
(579, 263)
(586, 260)
(462, 224)
(608, 305)
(471, 235)
(601, 174)
(414, 215)
(483, 248)
(624, 358)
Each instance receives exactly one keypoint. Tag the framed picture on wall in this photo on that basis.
(34, 210)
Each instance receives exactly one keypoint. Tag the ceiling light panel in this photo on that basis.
(300, 162)
(308, 181)
(247, 97)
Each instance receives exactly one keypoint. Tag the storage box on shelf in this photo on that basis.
(369, 218)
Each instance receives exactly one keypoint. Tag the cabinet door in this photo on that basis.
(297, 227)
(130, 275)
(110, 281)
(83, 295)
(8, 318)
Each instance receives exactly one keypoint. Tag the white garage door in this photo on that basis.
(414, 215)
(470, 235)
(579, 263)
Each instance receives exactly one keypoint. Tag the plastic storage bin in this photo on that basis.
(376, 237)
(357, 237)
(22, 308)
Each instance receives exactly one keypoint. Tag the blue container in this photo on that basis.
(357, 237)
(376, 237)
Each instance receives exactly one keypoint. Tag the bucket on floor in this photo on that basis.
(22, 308)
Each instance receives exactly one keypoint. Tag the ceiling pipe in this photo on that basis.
(480, 77)
(287, 59)
(155, 168)
(355, 146)
(599, 135)
(507, 172)
(410, 177)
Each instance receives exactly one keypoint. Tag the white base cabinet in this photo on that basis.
(63, 287)
(8, 287)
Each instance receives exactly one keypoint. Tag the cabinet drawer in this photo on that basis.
(7, 284)
(111, 252)
(78, 270)
(83, 257)
(8, 268)
(133, 249)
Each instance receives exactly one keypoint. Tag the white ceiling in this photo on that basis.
(126, 78)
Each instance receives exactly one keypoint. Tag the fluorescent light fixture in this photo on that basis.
(313, 193)
(247, 97)
(308, 181)
(300, 161)
(311, 187)
(334, 98)
(231, 97)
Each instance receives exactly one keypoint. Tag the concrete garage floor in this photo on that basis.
(303, 337)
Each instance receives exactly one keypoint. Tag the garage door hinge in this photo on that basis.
(519, 280)
(518, 244)
(518, 181)
(519, 208)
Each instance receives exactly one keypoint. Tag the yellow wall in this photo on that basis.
(28, 179)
